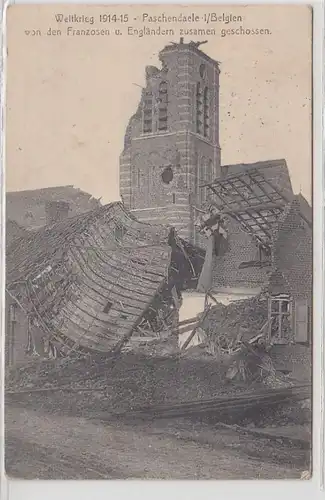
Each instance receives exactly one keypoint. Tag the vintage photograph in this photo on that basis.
(158, 242)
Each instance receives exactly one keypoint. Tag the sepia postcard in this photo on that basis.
(159, 229)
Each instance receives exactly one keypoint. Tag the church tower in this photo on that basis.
(172, 141)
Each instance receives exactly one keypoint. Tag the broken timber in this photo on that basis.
(191, 336)
(85, 284)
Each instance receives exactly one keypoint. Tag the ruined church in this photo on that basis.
(172, 141)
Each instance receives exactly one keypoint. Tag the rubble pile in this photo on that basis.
(226, 326)
(252, 363)
(237, 333)
(98, 387)
(130, 381)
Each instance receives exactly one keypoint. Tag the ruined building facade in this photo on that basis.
(172, 141)
(33, 209)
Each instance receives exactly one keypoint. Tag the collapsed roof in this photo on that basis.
(255, 195)
(87, 281)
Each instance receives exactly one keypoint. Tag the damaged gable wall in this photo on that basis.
(241, 248)
(293, 256)
(271, 185)
(293, 252)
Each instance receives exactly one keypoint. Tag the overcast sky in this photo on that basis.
(69, 99)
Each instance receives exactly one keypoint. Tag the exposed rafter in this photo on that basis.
(252, 200)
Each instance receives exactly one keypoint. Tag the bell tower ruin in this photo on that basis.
(172, 141)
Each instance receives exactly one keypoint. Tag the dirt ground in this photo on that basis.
(69, 435)
(44, 446)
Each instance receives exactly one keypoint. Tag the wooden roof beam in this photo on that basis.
(220, 197)
(255, 208)
(281, 195)
(233, 186)
(226, 179)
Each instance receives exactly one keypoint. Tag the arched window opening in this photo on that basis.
(202, 180)
(206, 114)
(136, 177)
(210, 171)
(174, 198)
(147, 112)
(199, 109)
(196, 174)
(162, 107)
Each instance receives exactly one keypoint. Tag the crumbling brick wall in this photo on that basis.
(292, 253)
(293, 256)
(241, 248)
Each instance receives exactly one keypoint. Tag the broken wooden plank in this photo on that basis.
(191, 336)
(188, 321)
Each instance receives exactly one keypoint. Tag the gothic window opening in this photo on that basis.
(196, 174)
(199, 109)
(203, 179)
(178, 159)
(209, 177)
(163, 107)
(206, 114)
(136, 177)
(202, 70)
(147, 112)
(203, 196)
